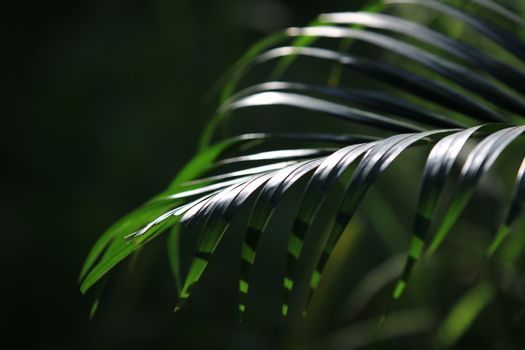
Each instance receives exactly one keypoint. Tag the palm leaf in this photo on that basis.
(413, 86)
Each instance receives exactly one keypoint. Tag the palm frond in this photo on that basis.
(411, 85)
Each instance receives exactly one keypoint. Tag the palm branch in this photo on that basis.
(410, 85)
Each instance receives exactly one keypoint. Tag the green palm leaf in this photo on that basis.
(411, 85)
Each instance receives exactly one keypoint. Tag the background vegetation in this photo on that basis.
(105, 101)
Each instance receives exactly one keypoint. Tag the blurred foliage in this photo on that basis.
(105, 102)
